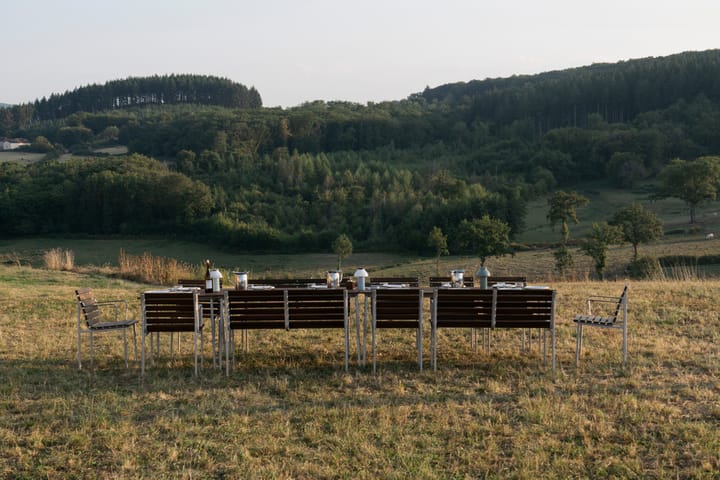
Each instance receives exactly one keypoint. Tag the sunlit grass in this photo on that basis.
(289, 410)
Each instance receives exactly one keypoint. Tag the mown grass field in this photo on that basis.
(290, 411)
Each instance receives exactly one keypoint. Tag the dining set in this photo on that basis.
(378, 304)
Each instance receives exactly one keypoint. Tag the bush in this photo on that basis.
(59, 259)
(645, 267)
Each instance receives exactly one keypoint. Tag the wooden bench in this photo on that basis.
(289, 309)
(410, 281)
(468, 281)
(614, 316)
(493, 308)
(288, 282)
(519, 281)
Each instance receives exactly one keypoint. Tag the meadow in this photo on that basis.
(289, 410)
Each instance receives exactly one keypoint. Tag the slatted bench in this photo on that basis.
(519, 281)
(410, 281)
(289, 309)
(288, 282)
(468, 281)
(493, 308)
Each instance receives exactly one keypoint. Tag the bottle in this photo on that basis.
(208, 280)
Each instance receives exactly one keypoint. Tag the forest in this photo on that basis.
(207, 161)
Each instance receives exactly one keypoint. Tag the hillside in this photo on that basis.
(292, 180)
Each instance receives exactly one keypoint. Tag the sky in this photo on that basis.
(359, 51)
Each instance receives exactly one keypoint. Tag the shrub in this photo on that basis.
(645, 267)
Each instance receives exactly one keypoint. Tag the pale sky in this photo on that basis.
(365, 50)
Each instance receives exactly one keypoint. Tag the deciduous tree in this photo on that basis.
(486, 237)
(597, 242)
(694, 182)
(438, 241)
(638, 225)
(342, 247)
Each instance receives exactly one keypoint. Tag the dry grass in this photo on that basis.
(152, 269)
(59, 259)
(290, 411)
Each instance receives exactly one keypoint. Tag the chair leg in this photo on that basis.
(624, 345)
(357, 330)
(142, 360)
(79, 346)
(347, 344)
(92, 350)
(124, 332)
(578, 343)
(433, 344)
(374, 346)
(420, 346)
(135, 342)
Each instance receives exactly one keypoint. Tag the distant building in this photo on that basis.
(12, 143)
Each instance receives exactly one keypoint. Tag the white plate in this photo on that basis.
(260, 287)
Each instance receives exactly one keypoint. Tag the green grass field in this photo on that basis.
(288, 410)
(606, 200)
(20, 157)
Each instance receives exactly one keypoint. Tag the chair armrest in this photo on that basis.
(600, 299)
(116, 304)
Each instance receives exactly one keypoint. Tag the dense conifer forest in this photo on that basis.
(207, 161)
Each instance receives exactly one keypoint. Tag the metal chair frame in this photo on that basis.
(616, 321)
(90, 315)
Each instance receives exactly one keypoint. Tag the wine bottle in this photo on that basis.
(208, 280)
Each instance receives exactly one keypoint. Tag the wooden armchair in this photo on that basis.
(614, 316)
(98, 317)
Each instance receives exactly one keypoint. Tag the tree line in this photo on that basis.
(135, 91)
(384, 174)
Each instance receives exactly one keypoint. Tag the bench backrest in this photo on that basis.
(410, 281)
(522, 281)
(288, 282)
(317, 308)
(468, 281)
(170, 312)
(622, 303)
(463, 307)
(256, 309)
(195, 282)
(88, 306)
(397, 308)
(524, 309)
